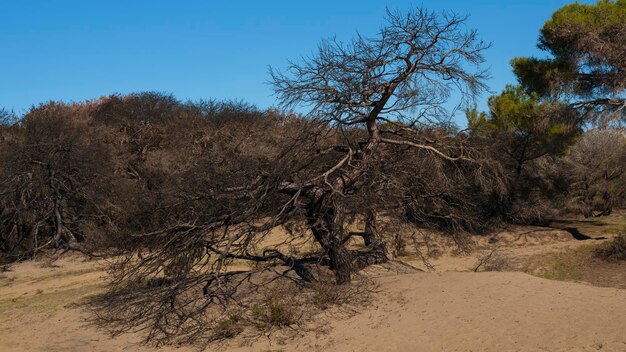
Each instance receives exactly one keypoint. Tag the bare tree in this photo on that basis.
(376, 134)
(51, 188)
(393, 85)
(596, 171)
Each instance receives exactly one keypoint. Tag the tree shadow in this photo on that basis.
(579, 236)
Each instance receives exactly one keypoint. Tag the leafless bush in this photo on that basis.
(494, 260)
(52, 192)
(596, 172)
(324, 293)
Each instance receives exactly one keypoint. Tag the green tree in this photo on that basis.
(525, 125)
(478, 122)
(587, 46)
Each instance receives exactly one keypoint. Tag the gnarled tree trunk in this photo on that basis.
(326, 223)
(375, 251)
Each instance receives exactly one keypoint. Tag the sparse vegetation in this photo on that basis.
(614, 250)
(228, 328)
(494, 260)
(277, 307)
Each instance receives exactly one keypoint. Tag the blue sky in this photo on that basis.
(78, 50)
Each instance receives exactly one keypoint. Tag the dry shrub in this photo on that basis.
(493, 261)
(228, 328)
(596, 172)
(325, 293)
(498, 262)
(614, 250)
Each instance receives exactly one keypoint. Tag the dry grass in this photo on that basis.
(228, 328)
(614, 250)
(278, 307)
(494, 260)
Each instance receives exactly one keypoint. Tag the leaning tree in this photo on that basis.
(376, 119)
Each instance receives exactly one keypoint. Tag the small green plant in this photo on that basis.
(569, 265)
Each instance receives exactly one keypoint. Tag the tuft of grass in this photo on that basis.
(327, 294)
(228, 328)
(613, 250)
(277, 308)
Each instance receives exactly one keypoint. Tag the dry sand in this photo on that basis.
(478, 312)
(450, 309)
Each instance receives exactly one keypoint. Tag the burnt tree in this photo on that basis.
(393, 86)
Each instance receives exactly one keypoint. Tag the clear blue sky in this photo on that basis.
(77, 50)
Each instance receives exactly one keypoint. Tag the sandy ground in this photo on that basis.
(447, 309)
(476, 312)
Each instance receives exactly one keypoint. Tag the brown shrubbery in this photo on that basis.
(88, 176)
(614, 250)
(55, 183)
(595, 172)
(128, 174)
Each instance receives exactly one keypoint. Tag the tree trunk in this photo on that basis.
(375, 251)
(341, 263)
(326, 223)
(61, 232)
(370, 235)
(325, 218)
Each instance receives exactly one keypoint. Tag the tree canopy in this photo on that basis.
(526, 125)
(587, 65)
